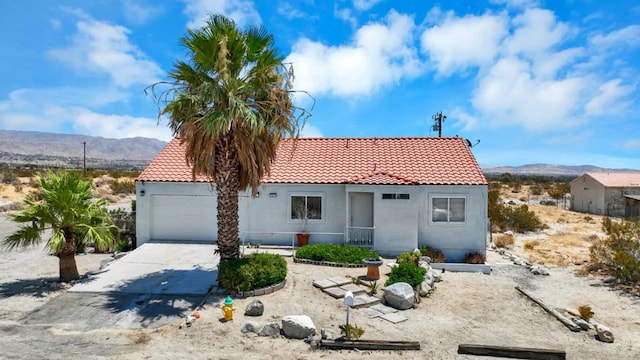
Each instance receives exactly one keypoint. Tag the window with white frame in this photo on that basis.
(306, 207)
(448, 209)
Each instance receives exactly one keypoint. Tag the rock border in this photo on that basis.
(260, 291)
(327, 263)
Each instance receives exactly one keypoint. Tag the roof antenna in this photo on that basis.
(438, 118)
(470, 145)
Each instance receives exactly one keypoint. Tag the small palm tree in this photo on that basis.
(68, 210)
(231, 104)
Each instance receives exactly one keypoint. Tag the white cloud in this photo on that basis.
(608, 99)
(380, 54)
(310, 131)
(116, 126)
(241, 11)
(364, 5)
(517, 4)
(510, 95)
(460, 42)
(65, 109)
(633, 144)
(629, 36)
(536, 32)
(291, 12)
(139, 13)
(104, 49)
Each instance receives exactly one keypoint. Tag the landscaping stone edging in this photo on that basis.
(327, 263)
(261, 291)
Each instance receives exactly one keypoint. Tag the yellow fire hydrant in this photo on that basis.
(228, 309)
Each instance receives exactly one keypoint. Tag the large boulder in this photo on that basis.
(254, 308)
(298, 326)
(400, 296)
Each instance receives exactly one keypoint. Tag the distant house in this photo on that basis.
(390, 194)
(607, 193)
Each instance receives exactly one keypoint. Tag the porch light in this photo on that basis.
(141, 192)
(272, 195)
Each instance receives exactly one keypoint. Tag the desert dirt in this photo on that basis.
(466, 308)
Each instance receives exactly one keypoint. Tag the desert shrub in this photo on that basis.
(9, 176)
(619, 252)
(351, 331)
(123, 186)
(585, 312)
(521, 219)
(587, 218)
(548, 203)
(18, 188)
(436, 255)
(335, 253)
(407, 273)
(531, 244)
(252, 272)
(536, 190)
(474, 258)
(410, 257)
(504, 240)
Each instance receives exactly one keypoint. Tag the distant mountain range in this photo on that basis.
(551, 170)
(24, 148)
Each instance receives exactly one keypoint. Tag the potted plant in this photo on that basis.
(302, 213)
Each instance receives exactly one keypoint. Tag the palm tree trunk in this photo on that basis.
(227, 186)
(67, 258)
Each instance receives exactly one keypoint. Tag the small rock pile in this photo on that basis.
(535, 269)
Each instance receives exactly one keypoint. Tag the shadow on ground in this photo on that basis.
(29, 287)
(150, 301)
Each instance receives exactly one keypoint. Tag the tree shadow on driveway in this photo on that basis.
(29, 287)
(150, 301)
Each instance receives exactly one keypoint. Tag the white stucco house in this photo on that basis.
(606, 193)
(390, 194)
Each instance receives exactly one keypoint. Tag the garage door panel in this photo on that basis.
(183, 218)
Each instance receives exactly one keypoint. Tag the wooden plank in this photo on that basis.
(512, 352)
(563, 319)
(369, 345)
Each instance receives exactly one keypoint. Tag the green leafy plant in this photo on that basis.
(351, 331)
(252, 272)
(410, 257)
(335, 253)
(407, 273)
(585, 312)
(374, 288)
(619, 252)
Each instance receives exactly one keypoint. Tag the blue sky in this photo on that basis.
(536, 81)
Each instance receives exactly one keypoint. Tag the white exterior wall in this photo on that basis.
(400, 225)
(455, 240)
(587, 195)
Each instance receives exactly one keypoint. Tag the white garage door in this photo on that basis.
(183, 218)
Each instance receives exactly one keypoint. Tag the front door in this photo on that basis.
(361, 219)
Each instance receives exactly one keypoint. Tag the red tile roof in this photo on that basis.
(617, 179)
(389, 161)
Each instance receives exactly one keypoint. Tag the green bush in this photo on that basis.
(407, 273)
(619, 252)
(252, 272)
(516, 218)
(410, 257)
(335, 253)
(123, 186)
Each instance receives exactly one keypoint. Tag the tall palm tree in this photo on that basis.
(231, 104)
(68, 210)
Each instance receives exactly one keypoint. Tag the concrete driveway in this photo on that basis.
(157, 269)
